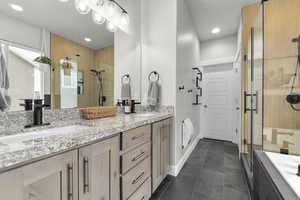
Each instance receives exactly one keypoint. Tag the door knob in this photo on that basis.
(205, 106)
(237, 108)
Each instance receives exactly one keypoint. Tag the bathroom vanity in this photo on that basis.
(123, 157)
(269, 181)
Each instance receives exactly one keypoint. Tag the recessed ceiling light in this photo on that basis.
(16, 7)
(63, 0)
(88, 39)
(215, 30)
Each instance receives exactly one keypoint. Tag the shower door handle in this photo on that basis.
(256, 102)
(246, 109)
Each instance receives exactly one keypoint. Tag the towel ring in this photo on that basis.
(126, 76)
(155, 73)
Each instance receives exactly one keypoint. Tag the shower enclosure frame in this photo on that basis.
(253, 96)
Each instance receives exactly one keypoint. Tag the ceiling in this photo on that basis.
(207, 14)
(61, 19)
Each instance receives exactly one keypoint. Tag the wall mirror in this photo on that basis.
(61, 51)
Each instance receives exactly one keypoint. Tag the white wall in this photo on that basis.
(16, 31)
(159, 23)
(159, 46)
(127, 51)
(220, 48)
(188, 56)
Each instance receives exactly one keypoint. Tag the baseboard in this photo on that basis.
(175, 169)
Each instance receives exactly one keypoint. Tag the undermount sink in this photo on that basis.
(146, 114)
(18, 141)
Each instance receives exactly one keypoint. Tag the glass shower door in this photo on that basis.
(253, 95)
(257, 82)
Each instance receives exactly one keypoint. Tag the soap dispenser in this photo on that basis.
(127, 107)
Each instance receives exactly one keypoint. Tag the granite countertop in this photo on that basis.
(40, 143)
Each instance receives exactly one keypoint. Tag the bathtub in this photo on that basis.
(287, 165)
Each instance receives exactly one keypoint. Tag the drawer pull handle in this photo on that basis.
(137, 137)
(138, 157)
(86, 175)
(70, 181)
(138, 178)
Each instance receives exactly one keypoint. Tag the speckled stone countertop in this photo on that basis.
(40, 143)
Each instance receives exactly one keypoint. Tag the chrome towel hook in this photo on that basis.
(156, 75)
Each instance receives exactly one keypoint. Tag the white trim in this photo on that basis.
(175, 169)
(217, 61)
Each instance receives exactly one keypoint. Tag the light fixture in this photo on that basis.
(124, 18)
(63, 1)
(97, 17)
(104, 10)
(87, 39)
(111, 27)
(82, 6)
(17, 7)
(216, 30)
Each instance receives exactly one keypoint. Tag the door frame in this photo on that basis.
(234, 60)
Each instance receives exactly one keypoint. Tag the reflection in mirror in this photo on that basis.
(27, 79)
(66, 59)
(93, 86)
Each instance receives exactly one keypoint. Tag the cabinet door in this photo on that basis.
(165, 147)
(99, 171)
(52, 179)
(11, 185)
(157, 159)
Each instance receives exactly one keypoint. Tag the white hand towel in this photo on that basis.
(153, 93)
(188, 132)
(5, 100)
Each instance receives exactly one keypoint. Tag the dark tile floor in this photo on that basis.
(213, 172)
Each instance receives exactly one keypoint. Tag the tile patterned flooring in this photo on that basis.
(213, 172)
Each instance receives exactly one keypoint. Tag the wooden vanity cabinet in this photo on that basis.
(88, 173)
(11, 185)
(160, 152)
(94, 172)
(54, 178)
(99, 171)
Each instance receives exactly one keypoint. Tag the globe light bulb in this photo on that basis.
(99, 3)
(124, 18)
(97, 17)
(82, 6)
(111, 8)
(111, 27)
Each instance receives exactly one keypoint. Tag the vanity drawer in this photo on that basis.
(144, 192)
(133, 157)
(135, 177)
(136, 136)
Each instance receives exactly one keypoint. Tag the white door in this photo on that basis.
(218, 106)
